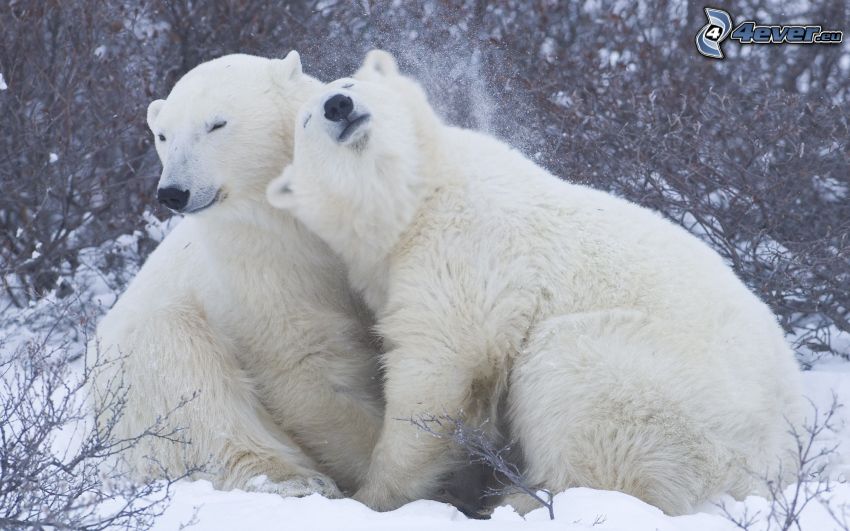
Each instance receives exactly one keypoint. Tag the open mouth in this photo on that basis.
(352, 126)
(211, 203)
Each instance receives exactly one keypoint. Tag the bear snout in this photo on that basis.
(338, 107)
(173, 197)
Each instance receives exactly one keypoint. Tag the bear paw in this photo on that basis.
(296, 487)
(379, 499)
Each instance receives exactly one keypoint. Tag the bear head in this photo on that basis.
(225, 131)
(362, 157)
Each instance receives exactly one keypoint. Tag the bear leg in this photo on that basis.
(594, 403)
(177, 372)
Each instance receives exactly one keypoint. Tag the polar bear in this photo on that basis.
(617, 349)
(241, 304)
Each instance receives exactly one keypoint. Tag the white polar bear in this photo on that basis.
(626, 354)
(241, 303)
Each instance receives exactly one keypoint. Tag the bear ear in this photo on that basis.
(287, 69)
(153, 111)
(279, 191)
(380, 63)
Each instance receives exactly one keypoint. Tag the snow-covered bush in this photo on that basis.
(814, 486)
(58, 469)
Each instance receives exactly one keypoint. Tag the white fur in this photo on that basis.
(243, 305)
(627, 355)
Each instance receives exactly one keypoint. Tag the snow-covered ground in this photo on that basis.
(576, 509)
(197, 503)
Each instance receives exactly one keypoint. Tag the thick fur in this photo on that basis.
(628, 355)
(242, 305)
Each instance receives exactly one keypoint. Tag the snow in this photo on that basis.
(197, 502)
(576, 509)
(547, 50)
(53, 158)
(561, 99)
(832, 190)
(3, 85)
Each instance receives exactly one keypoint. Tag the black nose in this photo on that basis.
(338, 107)
(172, 197)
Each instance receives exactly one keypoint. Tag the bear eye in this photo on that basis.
(348, 85)
(161, 137)
(218, 125)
